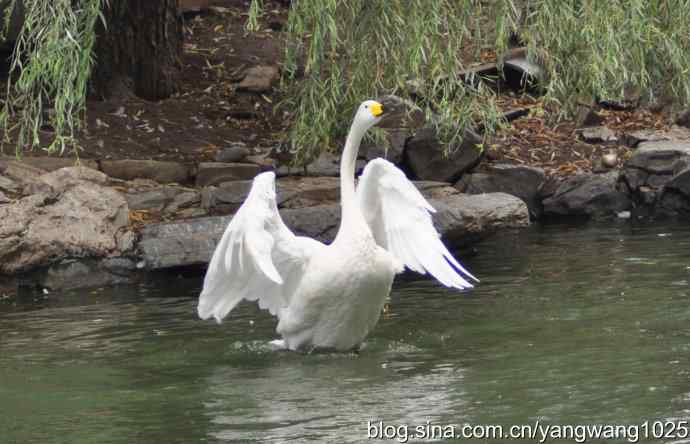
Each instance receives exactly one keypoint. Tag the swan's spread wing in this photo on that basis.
(258, 257)
(400, 219)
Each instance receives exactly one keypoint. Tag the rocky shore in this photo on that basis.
(107, 222)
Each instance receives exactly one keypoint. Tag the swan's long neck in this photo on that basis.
(351, 214)
(347, 166)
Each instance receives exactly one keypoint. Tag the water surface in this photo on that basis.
(570, 325)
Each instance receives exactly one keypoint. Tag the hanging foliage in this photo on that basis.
(50, 69)
(342, 51)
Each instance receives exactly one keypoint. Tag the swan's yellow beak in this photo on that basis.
(376, 109)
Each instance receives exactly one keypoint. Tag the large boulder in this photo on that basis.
(427, 159)
(517, 180)
(400, 113)
(69, 215)
(393, 149)
(460, 219)
(653, 165)
(401, 118)
(592, 195)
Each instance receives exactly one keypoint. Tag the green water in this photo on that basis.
(587, 325)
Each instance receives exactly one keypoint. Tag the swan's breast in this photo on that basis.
(340, 297)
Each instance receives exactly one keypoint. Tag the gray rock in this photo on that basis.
(136, 185)
(400, 113)
(9, 186)
(683, 118)
(598, 134)
(152, 200)
(674, 198)
(186, 242)
(162, 199)
(122, 266)
(327, 164)
(588, 115)
(520, 181)
(633, 138)
(190, 213)
(298, 192)
(236, 152)
(259, 79)
(292, 192)
(226, 197)
(654, 163)
(72, 274)
(521, 72)
(49, 163)
(680, 182)
(464, 218)
(126, 241)
(182, 200)
(59, 180)
(549, 187)
(15, 175)
(4, 199)
(592, 195)
(393, 149)
(461, 218)
(160, 171)
(264, 162)
(305, 192)
(425, 157)
(320, 222)
(213, 173)
(435, 190)
(76, 218)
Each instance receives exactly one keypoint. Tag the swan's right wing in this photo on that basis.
(258, 258)
(400, 220)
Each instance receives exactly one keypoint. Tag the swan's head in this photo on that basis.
(368, 114)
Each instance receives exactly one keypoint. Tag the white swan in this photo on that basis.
(329, 296)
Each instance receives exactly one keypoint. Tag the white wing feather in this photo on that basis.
(400, 220)
(258, 257)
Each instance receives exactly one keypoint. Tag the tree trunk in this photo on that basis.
(140, 48)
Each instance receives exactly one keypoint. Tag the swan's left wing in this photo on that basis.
(400, 220)
(257, 259)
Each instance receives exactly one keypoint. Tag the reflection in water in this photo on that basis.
(292, 397)
(569, 326)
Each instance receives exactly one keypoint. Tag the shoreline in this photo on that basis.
(67, 227)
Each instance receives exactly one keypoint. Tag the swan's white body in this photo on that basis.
(329, 296)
